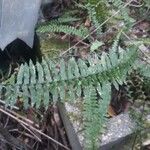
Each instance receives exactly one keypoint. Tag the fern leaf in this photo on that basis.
(63, 70)
(33, 94)
(62, 91)
(83, 68)
(40, 73)
(39, 93)
(26, 74)
(25, 96)
(98, 110)
(46, 96)
(70, 77)
(32, 72)
(95, 45)
(20, 75)
(81, 32)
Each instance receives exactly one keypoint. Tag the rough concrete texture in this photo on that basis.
(118, 129)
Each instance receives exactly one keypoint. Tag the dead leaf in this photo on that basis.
(111, 111)
(87, 23)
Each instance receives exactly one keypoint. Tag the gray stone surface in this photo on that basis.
(118, 135)
(118, 129)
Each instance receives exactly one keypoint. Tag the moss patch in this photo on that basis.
(52, 45)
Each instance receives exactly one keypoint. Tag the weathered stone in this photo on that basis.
(119, 129)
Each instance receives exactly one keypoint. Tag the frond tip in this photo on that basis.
(95, 110)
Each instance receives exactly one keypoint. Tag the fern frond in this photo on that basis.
(100, 11)
(97, 108)
(75, 74)
(54, 27)
(53, 81)
(63, 20)
(92, 16)
(116, 41)
(118, 4)
(95, 45)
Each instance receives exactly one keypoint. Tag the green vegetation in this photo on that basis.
(66, 79)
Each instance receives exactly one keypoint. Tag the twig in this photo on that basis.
(21, 117)
(32, 133)
(7, 120)
(132, 5)
(12, 140)
(38, 131)
(13, 107)
(137, 22)
(22, 133)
